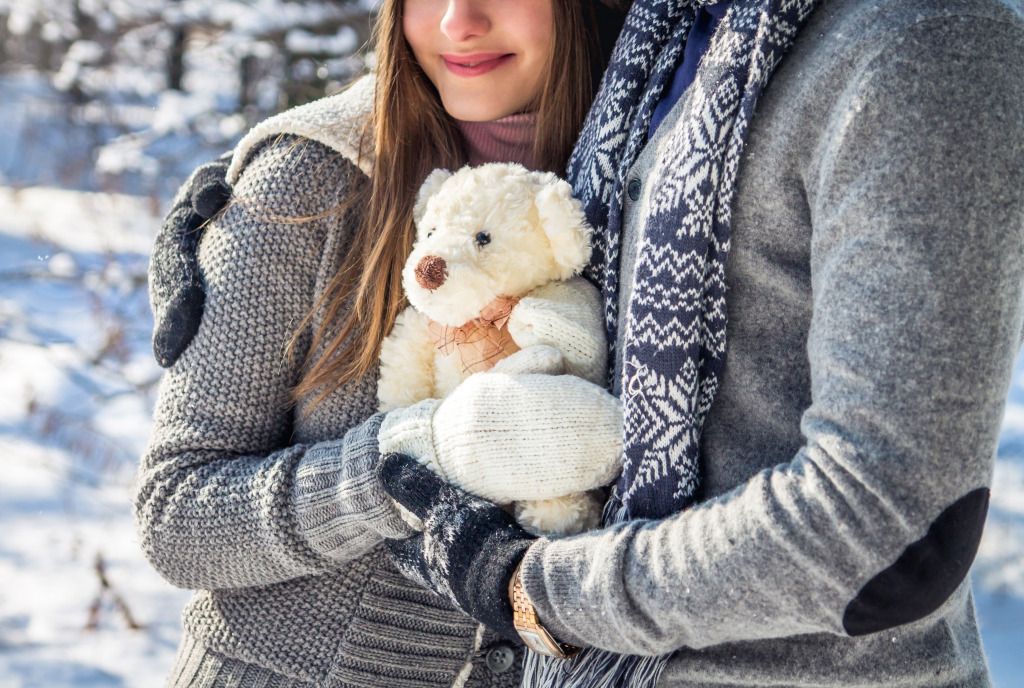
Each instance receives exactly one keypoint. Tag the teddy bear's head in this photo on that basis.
(489, 231)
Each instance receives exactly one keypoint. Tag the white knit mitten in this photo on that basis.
(569, 317)
(514, 437)
(535, 360)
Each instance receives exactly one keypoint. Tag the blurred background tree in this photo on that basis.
(129, 95)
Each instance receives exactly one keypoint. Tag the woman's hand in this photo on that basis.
(177, 290)
(468, 550)
(511, 437)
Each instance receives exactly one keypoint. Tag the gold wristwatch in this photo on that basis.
(524, 618)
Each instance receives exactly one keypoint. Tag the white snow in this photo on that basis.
(76, 389)
(301, 41)
(77, 384)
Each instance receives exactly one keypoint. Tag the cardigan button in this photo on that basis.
(633, 189)
(500, 658)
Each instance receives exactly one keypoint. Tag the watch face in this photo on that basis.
(536, 643)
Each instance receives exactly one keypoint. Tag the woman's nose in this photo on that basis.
(464, 20)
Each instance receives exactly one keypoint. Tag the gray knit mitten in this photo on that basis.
(469, 547)
(175, 288)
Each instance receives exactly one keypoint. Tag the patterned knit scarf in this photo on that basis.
(674, 344)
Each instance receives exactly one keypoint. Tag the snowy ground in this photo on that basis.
(76, 389)
(76, 386)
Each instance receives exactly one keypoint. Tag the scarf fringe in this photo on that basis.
(592, 669)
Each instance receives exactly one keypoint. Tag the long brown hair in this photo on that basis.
(413, 135)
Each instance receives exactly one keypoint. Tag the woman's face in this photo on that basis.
(487, 58)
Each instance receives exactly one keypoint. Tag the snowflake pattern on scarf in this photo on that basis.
(674, 340)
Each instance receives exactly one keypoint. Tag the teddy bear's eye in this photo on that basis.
(430, 233)
(483, 238)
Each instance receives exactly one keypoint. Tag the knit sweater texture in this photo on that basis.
(873, 325)
(509, 139)
(875, 286)
(271, 513)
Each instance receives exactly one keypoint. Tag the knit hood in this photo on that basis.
(337, 121)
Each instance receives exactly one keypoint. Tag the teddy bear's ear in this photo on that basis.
(430, 186)
(564, 223)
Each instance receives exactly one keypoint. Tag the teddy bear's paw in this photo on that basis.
(566, 515)
(535, 360)
(406, 363)
(520, 326)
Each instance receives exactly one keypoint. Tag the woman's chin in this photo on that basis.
(479, 108)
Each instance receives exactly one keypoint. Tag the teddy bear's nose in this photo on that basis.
(430, 272)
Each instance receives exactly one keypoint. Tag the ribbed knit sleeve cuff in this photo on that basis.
(535, 584)
(339, 504)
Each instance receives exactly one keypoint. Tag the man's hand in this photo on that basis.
(469, 547)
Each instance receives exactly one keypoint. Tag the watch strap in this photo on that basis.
(524, 618)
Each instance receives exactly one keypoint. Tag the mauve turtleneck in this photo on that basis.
(509, 139)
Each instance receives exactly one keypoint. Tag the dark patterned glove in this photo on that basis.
(175, 288)
(469, 547)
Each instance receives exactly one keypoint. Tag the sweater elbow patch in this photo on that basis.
(927, 572)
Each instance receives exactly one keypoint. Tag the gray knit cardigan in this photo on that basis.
(275, 518)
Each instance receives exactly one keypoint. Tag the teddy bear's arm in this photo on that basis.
(406, 362)
(569, 317)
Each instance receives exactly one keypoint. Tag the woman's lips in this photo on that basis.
(475, 65)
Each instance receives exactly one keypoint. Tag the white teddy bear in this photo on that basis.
(493, 287)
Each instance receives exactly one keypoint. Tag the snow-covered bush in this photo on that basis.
(153, 87)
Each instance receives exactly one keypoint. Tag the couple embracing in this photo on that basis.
(809, 240)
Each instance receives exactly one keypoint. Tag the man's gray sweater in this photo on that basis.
(875, 286)
(875, 303)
